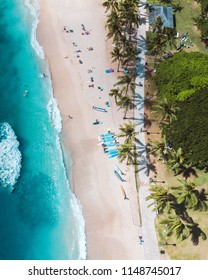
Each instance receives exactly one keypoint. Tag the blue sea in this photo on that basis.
(40, 217)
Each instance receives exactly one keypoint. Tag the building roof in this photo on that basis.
(165, 12)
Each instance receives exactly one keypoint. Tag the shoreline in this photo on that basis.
(111, 223)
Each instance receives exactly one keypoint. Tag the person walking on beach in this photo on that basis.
(70, 117)
(140, 240)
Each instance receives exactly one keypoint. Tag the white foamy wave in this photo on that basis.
(54, 114)
(34, 11)
(56, 121)
(10, 156)
(77, 208)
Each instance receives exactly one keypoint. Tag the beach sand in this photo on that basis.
(112, 223)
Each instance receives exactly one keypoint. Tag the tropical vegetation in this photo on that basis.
(182, 86)
(175, 202)
(180, 109)
(202, 21)
(122, 24)
(127, 150)
(189, 130)
(179, 77)
(160, 38)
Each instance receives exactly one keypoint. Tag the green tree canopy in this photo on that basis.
(177, 76)
(190, 129)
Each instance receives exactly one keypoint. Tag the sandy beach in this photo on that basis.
(112, 223)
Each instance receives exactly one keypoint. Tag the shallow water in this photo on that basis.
(41, 219)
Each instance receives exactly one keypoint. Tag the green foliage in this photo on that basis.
(175, 201)
(185, 94)
(175, 226)
(127, 152)
(161, 198)
(190, 131)
(202, 21)
(165, 110)
(200, 82)
(127, 130)
(160, 38)
(175, 75)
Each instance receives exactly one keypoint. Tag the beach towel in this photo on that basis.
(109, 71)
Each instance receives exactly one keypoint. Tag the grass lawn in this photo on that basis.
(185, 23)
(185, 250)
(174, 249)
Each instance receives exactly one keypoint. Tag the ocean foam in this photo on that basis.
(10, 156)
(34, 11)
(77, 210)
(54, 114)
(56, 121)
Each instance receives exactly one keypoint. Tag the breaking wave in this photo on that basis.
(10, 156)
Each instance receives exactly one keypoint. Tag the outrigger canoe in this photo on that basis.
(118, 176)
(118, 169)
(99, 109)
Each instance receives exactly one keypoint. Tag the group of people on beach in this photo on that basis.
(79, 53)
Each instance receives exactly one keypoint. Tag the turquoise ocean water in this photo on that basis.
(41, 218)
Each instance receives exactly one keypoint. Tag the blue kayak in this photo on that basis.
(118, 176)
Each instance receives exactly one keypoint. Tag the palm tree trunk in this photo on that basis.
(125, 114)
(119, 61)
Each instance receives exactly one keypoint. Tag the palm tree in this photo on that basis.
(110, 5)
(158, 25)
(117, 55)
(163, 200)
(165, 110)
(160, 149)
(174, 226)
(187, 194)
(114, 27)
(177, 7)
(129, 15)
(116, 93)
(126, 102)
(130, 53)
(127, 80)
(127, 130)
(156, 43)
(177, 161)
(170, 37)
(127, 152)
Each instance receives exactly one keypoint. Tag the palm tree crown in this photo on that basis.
(127, 130)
